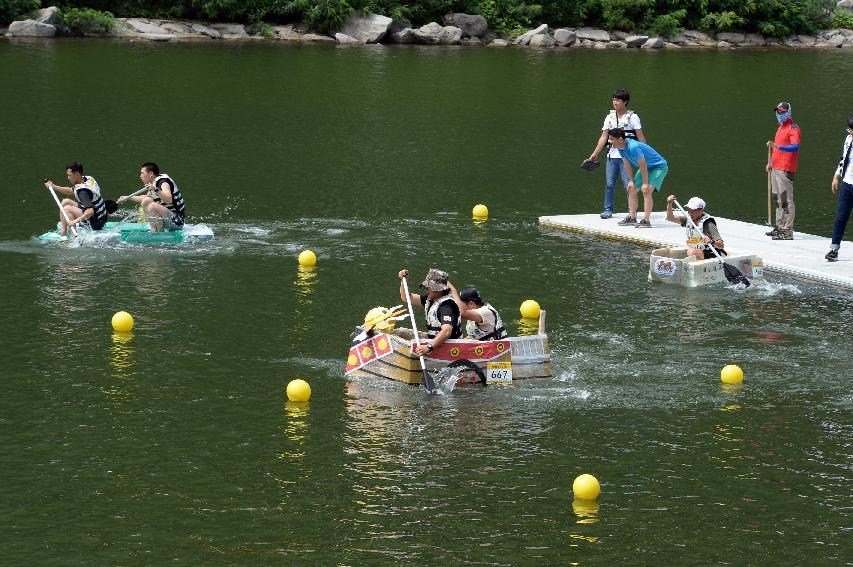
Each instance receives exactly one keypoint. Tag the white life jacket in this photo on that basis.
(433, 324)
(475, 332)
(177, 205)
(624, 122)
(696, 238)
(98, 204)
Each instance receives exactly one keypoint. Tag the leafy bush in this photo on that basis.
(11, 10)
(86, 21)
(842, 19)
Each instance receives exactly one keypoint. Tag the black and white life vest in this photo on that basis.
(433, 324)
(696, 238)
(98, 204)
(177, 205)
(624, 122)
(475, 332)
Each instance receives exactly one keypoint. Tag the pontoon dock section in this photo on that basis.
(802, 257)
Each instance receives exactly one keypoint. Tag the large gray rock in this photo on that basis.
(731, 37)
(499, 43)
(315, 38)
(724, 45)
(471, 25)
(564, 37)
(344, 38)
(524, 38)
(541, 40)
(435, 34)
(402, 36)
(232, 31)
(175, 27)
(287, 33)
(157, 37)
(619, 35)
(754, 39)
(695, 35)
(50, 15)
(202, 29)
(636, 40)
(371, 28)
(616, 44)
(593, 34)
(807, 40)
(845, 5)
(836, 41)
(653, 43)
(143, 25)
(31, 28)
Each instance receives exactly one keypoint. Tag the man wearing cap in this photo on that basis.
(844, 176)
(698, 243)
(782, 167)
(442, 312)
(484, 323)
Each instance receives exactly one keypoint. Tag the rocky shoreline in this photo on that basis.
(457, 29)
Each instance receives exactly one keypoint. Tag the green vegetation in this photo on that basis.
(777, 18)
(86, 21)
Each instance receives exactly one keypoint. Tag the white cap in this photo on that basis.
(695, 203)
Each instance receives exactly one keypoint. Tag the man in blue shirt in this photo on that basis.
(651, 169)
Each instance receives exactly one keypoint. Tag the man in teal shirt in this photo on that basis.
(651, 169)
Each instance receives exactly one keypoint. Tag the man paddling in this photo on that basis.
(651, 170)
(484, 322)
(88, 207)
(442, 313)
(164, 202)
(698, 243)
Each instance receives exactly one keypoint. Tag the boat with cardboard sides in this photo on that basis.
(674, 266)
(134, 232)
(389, 355)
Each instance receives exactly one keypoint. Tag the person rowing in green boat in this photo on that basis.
(164, 203)
(89, 207)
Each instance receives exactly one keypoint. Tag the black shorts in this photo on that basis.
(96, 223)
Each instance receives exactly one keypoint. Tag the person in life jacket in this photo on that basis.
(442, 313)
(87, 206)
(619, 117)
(484, 322)
(699, 242)
(164, 203)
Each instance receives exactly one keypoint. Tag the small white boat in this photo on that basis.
(673, 266)
(135, 232)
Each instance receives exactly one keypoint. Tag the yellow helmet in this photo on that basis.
(376, 318)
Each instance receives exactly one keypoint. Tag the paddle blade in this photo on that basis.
(735, 276)
(111, 205)
(428, 383)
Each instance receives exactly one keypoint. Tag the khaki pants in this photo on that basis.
(782, 184)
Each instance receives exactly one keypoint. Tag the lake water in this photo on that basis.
(177, 445)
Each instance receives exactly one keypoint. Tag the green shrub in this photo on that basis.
(86, 21)
(843, 19)
(667, 25)
(11, 10)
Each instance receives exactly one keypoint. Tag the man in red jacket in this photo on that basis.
(782, 166)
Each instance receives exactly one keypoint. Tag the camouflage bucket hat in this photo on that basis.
(436, 280)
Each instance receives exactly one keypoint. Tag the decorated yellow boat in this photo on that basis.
(389, 355)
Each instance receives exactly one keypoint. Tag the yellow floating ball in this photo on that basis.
(731, 374)
(586, 487)
(298, 391)
(122, 322)
(530, 309)
(480, 212)
(307, 258)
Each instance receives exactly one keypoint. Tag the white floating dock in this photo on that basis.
(802, 257)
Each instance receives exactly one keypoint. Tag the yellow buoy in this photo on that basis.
(731, 374)
(298, 391)
(122, 322)
(530, 309)
(307, 258)
(480, 212)
(586, 487)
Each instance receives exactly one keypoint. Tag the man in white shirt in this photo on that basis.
(619, 117)
(844, 175)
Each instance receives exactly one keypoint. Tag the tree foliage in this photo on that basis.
(11, 10)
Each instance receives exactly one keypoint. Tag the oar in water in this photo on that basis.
(428, 382)
(732, 274)
(61, 210)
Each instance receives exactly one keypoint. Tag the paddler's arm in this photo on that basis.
(166, 193)
(712, 236)
(86, 202)
(464, 312)
(64, 190)
(415, 299)
(669, 214)
(427, 347)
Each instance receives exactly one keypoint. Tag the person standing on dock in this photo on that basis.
(619, 117)
(698, 243)
(651, 171)
(443, 319)
(844, 176)
(782, 167)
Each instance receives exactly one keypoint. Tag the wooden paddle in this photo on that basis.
(427, 382)
(61, 210)
(732, 274)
